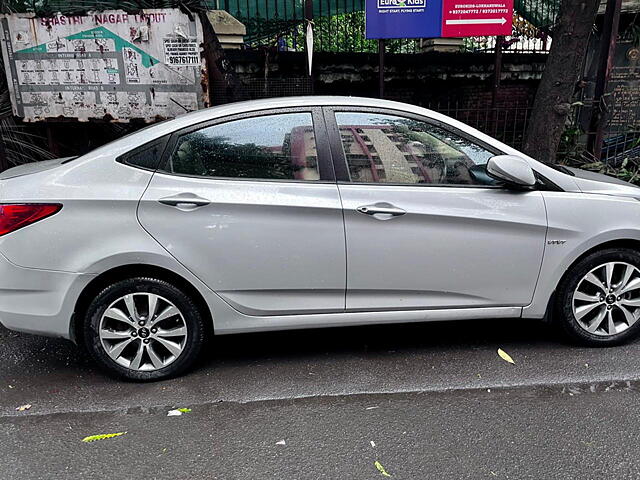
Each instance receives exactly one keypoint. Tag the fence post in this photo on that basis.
(605, 63)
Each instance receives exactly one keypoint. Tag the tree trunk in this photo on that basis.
(219, 68)
(562, 72)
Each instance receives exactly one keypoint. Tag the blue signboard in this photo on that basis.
(403, 18)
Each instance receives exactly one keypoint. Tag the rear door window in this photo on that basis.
(271, 147)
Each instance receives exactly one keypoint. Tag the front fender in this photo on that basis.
(579, 223)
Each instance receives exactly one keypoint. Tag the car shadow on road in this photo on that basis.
(461, 335)
(41, 355)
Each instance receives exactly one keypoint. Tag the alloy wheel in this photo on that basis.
(606, 301)
(143, 332)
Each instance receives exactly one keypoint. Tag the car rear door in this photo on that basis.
(425, 226)
(250, 205)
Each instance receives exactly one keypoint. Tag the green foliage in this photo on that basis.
(571, 148)
(572, 153)
(629, 169)
(343, 32)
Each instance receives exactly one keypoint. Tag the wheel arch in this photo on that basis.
(628, 243)
(124, 272)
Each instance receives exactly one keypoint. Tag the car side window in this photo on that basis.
(147, 156)
(278, 147)
(381, 148)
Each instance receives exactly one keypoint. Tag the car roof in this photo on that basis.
(249, 106)
(301, 101)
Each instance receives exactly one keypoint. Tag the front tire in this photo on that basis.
(598, 301)
(143, 329)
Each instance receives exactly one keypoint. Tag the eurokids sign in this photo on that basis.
(437, 18)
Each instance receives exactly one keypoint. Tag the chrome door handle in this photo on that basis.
(381, 208)
(185, 199)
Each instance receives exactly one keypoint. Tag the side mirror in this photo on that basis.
(512, 170)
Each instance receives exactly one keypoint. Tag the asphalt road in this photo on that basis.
(425, 401)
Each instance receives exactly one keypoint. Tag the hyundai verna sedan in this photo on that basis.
(308, 212)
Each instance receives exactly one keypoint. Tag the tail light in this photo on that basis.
(15, 216)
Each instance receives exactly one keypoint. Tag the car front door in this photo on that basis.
(425, 226)
(250, 205)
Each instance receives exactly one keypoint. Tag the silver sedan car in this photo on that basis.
(302, 213)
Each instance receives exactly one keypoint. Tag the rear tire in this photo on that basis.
(598, 300)
(144, 329)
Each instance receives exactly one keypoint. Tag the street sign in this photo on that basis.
(477, 18)
(437, 18)
(403, 18)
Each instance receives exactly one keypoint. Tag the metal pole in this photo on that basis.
(497, 70)
(605, 63)
(381, 68)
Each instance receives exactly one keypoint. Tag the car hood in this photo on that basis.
(593, 182)
(34, 167)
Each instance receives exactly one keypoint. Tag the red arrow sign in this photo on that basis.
(473, 18)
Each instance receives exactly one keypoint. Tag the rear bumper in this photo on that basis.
(38, 301)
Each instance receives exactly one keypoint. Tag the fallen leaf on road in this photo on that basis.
(505, 356)
(22, 408)
(177, 412)
(281, 442)
(102, 436)
(381, 469)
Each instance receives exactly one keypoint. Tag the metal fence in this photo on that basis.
(255, 88)
(505, 122)
(339, 26)
(345, 32)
